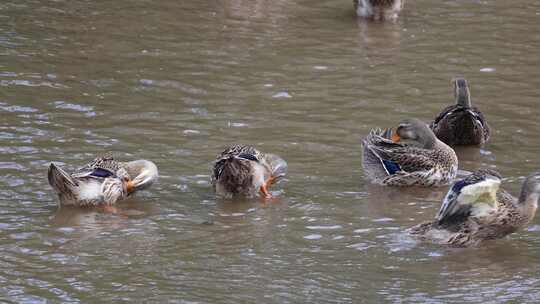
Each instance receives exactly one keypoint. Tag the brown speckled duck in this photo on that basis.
(475, 210)
(242, 170)
(378, 9)
(407, 156)
(103, 181)
(461, 123)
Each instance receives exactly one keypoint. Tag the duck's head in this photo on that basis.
(414, 132)
(462, 92)
(141, 174)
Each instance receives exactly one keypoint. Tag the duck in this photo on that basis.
(378, 9)
(475, 210)
(461, 124)
(101, 182)
(408, 155)
(242, 170)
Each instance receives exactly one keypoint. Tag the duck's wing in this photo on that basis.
(404, 158)
(100, 167)
(443, 114)
(376, 146)
(479, 116)
(243, 152)
(476, 193)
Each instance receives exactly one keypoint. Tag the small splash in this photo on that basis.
(485, 152)
(487, 70)
(282, 95)
(320, 67)
(237, 124)
(268, 85)
(191, 132)
(313, 237)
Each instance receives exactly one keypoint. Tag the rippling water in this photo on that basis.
(176, 81)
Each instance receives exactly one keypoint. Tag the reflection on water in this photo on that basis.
(177, 81)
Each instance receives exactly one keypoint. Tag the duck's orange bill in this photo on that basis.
(264, 188)
(395, 136)
(264, 191)
(130, 186)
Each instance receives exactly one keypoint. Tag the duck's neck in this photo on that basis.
(430, 141)
(528, 202)
(462, 93)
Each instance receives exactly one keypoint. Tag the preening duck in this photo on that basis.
(475, 210)
(378, 9)
(461, 123)
(103, 181)
(242, 170)
(407, 156)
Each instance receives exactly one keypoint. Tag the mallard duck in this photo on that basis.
(410, 155)
(103, 181)
(378, 9)
(245, 171)
(475, 210)
(461, 123)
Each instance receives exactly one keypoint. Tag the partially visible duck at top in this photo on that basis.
(409, 155)
(476, 210)
(378, 9)
(242, 170)
(102, 182)
(461, 124)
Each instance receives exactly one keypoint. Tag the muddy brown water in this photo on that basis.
(177, 81)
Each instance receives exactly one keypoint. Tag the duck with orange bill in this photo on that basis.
(102, 182)
(408, 155)
(242, 170)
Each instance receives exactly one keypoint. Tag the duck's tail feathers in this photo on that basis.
(60, 180)
(372, 163)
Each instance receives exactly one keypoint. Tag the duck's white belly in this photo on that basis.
(90, 191)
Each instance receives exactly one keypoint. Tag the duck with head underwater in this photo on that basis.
(242, 170)
(103, 181)
(378, 9)
(475, 210)
(409, 155)
(461, 124)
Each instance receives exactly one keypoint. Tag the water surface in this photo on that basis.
(177, 81)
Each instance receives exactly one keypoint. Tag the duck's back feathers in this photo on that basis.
(457, 125)
(244, 170)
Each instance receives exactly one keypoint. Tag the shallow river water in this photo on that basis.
(176, 81)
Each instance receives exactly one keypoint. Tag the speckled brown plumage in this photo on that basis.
(242, 170)
(467, 229)
(433, 166)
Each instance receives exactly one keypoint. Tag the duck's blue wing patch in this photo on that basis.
(99, 172)
(391, 167)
